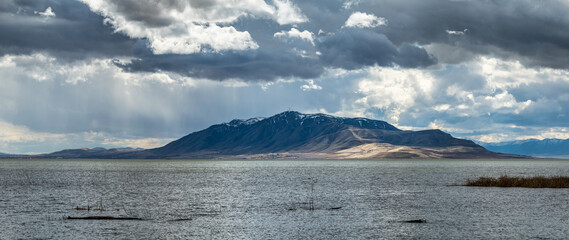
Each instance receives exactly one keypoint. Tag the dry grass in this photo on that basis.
(527, 182)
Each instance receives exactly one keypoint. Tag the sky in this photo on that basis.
(141, 73)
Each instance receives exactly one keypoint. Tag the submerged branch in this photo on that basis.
(103, 218)
(527, 182)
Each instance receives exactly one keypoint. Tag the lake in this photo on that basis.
(210, 199)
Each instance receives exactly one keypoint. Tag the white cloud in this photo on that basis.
(501, 133)
(504, 100)
(497, 79)
(295, 33)
(288, 13)
(364, 20)
(147, 143)
(37, 66)
(42, 67)
(460, 99)
(453, 32)
(350, 3)
(17, 134)
(442, 107)
(164, 41)
(310, 86)
(475, 103)
(555, 132)
(187, 27)
(504, 74)
(20, 139)
(48, 13)
(437, 124)
(395, 90)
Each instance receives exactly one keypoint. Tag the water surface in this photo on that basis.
(271, 199)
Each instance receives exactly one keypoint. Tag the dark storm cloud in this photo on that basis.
(353, 49)
(259, 65)
(149, 12)
(155, 13)
(533, 32)
(347, 48)
(74, 33)
(529, 31)
(412, 56)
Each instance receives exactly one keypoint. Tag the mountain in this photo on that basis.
(8, 155)
(295, 135)
(558, 148)
(97, 152)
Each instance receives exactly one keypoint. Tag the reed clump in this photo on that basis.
(527, 182)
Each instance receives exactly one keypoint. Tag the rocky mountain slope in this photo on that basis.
(296, 135)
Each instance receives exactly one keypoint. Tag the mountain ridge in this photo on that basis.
(292, 134)
(550, 147)
(296, 135)
(283, 131)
